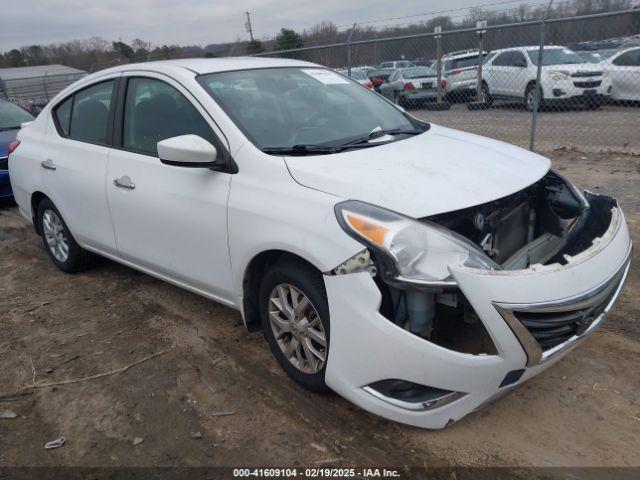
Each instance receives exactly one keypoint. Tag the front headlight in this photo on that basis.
(416, 250)
(559, 75)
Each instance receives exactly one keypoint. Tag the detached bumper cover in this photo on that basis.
(367, 348)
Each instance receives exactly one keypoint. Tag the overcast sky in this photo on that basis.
(28, 22)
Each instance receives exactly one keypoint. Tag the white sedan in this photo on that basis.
(418, 271)
(624, 69)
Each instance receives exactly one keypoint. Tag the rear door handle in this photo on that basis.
(124, 182)
(48, 164)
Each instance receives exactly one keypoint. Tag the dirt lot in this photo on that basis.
(585, 411)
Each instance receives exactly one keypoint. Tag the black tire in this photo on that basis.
(486, 94)
(308, 281)
(528, 105)
(77, 258)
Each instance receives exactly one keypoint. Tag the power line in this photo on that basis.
(439, 12)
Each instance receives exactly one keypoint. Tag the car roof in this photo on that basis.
(529, 47)
(214, 65)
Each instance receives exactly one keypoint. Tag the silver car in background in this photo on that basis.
(409, 87)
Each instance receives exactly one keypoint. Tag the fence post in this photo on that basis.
(44, 86)
(349, 49)
(437, 30)
(537, 91)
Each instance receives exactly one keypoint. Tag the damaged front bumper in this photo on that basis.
(367, 350)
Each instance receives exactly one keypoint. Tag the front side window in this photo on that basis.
(155, 111)
(90, 113)
(286, 107)
(12, 116)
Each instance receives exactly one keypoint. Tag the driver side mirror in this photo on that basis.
(189, 151)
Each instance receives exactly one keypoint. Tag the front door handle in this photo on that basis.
(124, 182)
(48, 164)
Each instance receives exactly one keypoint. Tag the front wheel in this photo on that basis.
(295, 318)
(530, 98)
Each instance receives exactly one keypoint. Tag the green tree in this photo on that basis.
(288, 39)
(254, 46)
(124, 50)
(14, 58)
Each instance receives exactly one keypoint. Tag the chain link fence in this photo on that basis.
(544, 84)
(33, 93)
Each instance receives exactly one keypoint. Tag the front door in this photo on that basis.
(171, 221)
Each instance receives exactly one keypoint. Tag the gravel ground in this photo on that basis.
(612, 128)
(215, 395)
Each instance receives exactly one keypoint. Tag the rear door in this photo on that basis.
(498, 75)
(170, 221)
(75, 165)
(518, 76)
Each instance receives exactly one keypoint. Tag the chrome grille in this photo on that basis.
(587, 74)
(551, 326)
(592, 84)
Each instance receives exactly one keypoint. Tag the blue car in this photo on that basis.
(11, 117)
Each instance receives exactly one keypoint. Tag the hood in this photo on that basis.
(6, 138)
(592, 68)
(439, 171)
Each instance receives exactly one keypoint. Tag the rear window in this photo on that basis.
(463, 62)
(418, 72)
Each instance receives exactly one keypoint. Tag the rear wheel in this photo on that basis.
(62, 248)
(295, 318)
(486, 94)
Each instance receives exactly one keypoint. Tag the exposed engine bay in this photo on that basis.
(543, 224)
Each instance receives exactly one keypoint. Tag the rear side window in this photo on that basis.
(85, 115)
(90, 114)
(503, 60)
(63, 115)
(155, 111)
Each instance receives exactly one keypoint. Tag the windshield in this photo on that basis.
(591, 57)
(556, 56)
(286, 107)
(418, 72)
(12, 116)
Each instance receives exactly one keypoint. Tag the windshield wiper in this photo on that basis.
(6, 129)
(300, 150)
(377, 133)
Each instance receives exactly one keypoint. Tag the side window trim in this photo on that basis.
(72, 95)
(118, 122)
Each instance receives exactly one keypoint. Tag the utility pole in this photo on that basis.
(247, 25)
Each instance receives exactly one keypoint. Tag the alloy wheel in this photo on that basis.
(53, 231)
(297, 328)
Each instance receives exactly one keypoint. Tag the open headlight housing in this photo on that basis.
(412, 250)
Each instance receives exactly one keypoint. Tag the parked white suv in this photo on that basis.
(418, 271)
(566, 77)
